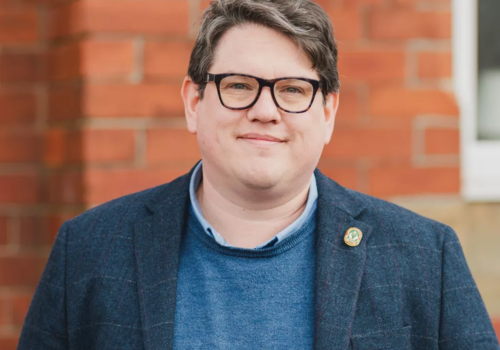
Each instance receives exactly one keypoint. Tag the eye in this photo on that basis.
(292, 90)
(238, 86)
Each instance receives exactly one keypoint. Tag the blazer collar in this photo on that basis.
(157, 242)
(328, 190)
(338, 196)
(339, 268)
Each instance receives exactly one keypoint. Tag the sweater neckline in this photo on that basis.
(280, 247)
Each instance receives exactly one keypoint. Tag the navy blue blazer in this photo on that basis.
(110, 282)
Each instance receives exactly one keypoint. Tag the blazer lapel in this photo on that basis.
(339, 267)
(157, 239)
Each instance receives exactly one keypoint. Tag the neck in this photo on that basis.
(242, 224)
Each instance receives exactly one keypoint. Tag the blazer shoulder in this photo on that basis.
(124, 211)
(399, 225)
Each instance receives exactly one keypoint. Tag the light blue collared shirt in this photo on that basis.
(288, 231)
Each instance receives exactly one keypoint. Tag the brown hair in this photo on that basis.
(303, 21)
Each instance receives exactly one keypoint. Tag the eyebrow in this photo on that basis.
(254, 76)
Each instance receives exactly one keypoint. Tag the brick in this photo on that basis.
(361, 3)
(370, 143)
(435, 64)
(171, 145)
(19, 146)
(167, 59)
(399, 102)
(347, 24)
(55, 221)
(17, 107)
(349, 105)
(4, 221)
(346, 176)
(64, 188)
(5, 313)
(105, 185)
(9, 342)
(32, 2)
(64, 103)
(33, 232)
(372, 65)
(205, 3)
(442, 141)
(107, 57)
(399, 181)
(496, 326)
(108, 145)
(19, 189)
(129, 17)
(145, 100)
(55, 147)
(89, 145)
(66, 20)
(92, 58)
(20, 306)
(323, 3)
(74, 149)
(20, 67)
(412, 3)
(409, 24)
(27, 272)
(64, 62)
(18, 25)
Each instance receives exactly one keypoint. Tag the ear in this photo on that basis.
(330, 109)
(191, 98)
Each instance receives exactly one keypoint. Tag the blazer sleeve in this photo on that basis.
(45, 325)
(465, 323)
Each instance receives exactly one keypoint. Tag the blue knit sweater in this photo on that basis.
(233, 298)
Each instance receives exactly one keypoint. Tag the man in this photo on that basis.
(254, 248)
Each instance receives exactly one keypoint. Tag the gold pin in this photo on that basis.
(353, 237)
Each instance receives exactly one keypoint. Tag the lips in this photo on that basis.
(260, 137)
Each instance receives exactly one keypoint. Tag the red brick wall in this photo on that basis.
(90, 110)
(24, 238)
(397, 128)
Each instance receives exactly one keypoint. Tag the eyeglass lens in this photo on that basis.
(293, 95)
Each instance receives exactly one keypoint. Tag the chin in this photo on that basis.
(259, 178)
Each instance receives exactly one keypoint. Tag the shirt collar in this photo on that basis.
(286, 232)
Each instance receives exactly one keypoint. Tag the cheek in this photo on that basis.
(318, 126)
(308, 134)
(216, 129)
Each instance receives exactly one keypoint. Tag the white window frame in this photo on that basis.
(480, 160)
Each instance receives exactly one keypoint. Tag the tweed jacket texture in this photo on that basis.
(110, 282)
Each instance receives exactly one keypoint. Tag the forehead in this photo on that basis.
(260, 51)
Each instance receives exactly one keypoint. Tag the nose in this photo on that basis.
(264, 110)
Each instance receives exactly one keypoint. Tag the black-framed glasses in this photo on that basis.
(241, 91)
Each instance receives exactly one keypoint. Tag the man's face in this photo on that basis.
(262, 147)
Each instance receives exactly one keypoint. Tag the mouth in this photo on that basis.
(261, 139)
